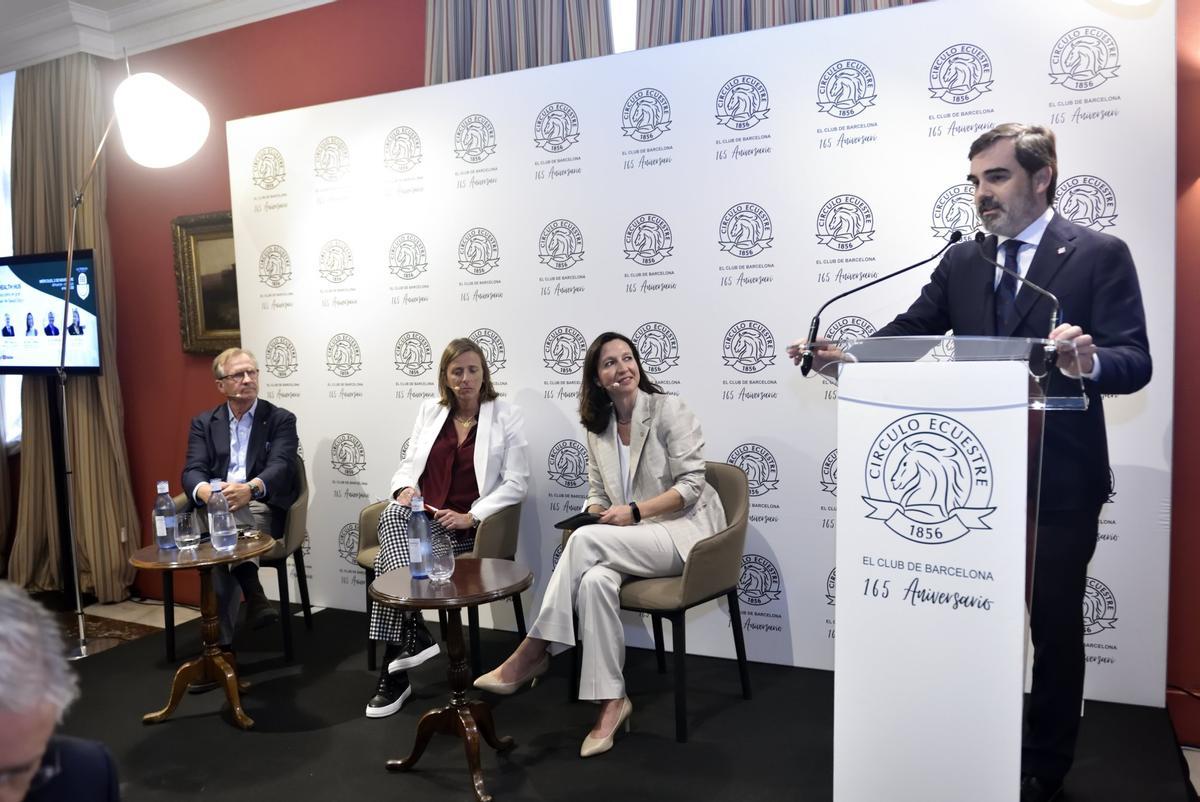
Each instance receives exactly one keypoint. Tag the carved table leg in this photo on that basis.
(212, 665)
(433, 721)
(464, 717)
(470, 736)
(229, 679)
(189, 672)
(482, 713)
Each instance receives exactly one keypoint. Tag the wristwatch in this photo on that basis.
(474, 521)
(256, 492)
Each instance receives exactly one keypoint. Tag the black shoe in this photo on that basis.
(1040, 789)
(259, 612)
(419, 646)
(393, 690)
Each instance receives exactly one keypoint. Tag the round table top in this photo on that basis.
(202, 556)
(475, 581)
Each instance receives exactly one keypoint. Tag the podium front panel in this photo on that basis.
(929, 657)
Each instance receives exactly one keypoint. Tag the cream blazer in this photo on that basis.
(501, 459)
(666, 450)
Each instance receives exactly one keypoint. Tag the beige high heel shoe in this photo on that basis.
(598, 746)
(491, 681)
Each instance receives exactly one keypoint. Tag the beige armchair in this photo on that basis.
(496, 537)
(712, 570)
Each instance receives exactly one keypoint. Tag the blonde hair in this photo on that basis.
(454, 350)
(218, 366)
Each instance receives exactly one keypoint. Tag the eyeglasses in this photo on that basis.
(241, 375)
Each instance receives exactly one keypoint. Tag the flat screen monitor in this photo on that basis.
(31, 311)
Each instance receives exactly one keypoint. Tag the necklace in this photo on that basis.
(468, 422)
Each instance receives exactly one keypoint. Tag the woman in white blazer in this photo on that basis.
(467, 455)
(646, 483)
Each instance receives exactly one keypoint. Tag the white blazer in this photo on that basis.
(666, 450)
(501, 461)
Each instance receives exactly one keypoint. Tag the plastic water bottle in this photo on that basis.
(418, 539)
(221, 525)
(164, 518)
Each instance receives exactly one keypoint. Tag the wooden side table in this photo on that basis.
(475, 581)
(213, 665)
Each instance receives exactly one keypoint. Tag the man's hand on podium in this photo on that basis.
(824, 352)
(1079, 362)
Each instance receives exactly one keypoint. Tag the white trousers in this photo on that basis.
(587, 580)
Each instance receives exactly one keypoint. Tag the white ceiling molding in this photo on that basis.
(33, 31)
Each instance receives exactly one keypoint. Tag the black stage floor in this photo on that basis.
(312, 741)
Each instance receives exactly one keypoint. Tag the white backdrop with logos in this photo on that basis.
(703, 198)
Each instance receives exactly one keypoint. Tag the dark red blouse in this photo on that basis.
(449, 478)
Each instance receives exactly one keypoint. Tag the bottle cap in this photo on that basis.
(163, 487)
(417, 504)
(215, 484)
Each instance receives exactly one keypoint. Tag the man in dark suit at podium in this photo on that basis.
(1014, 169)
(250, 445)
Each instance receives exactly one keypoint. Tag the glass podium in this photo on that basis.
(939, 456)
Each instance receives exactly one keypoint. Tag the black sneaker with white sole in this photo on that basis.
(420, 647)
(391, 693)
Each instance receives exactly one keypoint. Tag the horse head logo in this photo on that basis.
(1085, 56)
(960, 72)
(846, 86)
(929, 480)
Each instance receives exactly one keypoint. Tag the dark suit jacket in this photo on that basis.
(87, 772)
(1094, 278)
(7, 331)
(73, 329)
(51, 331)
(270, 456)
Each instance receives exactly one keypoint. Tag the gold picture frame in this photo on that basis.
(206, 278)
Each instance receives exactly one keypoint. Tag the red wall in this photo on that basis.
(353, 48)
(350, 48)
(1183, 651)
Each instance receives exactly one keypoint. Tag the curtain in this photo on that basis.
(663, 22)
(5, 497)
(486, 37)
(59, 115)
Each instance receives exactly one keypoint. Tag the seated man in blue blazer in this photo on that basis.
(249, 444)
(36, 687)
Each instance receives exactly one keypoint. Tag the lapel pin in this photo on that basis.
(1062, 249)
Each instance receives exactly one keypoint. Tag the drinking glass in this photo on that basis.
(186, 535)
(441, 556)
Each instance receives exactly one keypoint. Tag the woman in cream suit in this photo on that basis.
(646, 482)
(467, 456)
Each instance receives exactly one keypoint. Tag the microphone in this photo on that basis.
(806, 357)
(980, 238)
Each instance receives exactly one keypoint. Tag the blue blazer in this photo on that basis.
(1095, 281)
(87, 772)
(270, 455)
